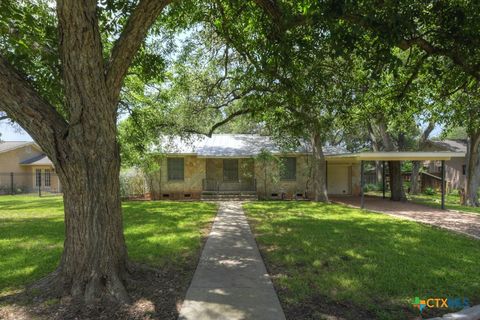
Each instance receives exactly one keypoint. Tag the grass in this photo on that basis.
(452, 201)
(327, 258)
(32, 234)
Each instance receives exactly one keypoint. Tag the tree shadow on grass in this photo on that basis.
(166, 236)
(20, 203)
(29, 249)
(337, 259)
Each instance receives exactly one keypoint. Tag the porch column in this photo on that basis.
(443, 185)
(383, 179)
(362, 185)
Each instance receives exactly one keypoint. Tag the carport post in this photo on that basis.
(443, 185)
(383, 179)
(362, 185)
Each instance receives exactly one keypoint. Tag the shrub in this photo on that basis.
(132, 183)
(372, 187)
(429, 191)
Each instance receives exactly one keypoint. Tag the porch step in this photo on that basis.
(229, 195)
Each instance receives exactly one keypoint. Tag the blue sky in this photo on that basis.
(10, 133)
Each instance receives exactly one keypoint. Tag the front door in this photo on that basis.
(230, 170)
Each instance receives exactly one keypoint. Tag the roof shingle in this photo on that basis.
(231, 145)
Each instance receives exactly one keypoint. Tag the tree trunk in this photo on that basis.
(376, 148)
(414, 183)
(319, 169)
(415, 186)
(265, 181)
(378, 172)
(396, 181)
(395, 172)
(94, 260)
(473, 170)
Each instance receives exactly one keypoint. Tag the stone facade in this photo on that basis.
(263, 177)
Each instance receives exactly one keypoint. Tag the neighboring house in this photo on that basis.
(25, 168)
(455, 169)
(229, 163)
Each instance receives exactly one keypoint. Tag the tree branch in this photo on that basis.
(130, 41)
(270, 7)
(419, 42)
(429, 48)
(82, 58)
(412, 77)
(228, 119)
(425, 134)
(24, 105)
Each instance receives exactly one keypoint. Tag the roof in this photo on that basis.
(401, 156)
(454, 145)
(40, 160)
(231, 145)
(6, 146)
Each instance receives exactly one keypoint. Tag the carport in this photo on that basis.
(385, 156)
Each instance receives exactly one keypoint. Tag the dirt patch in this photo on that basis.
(155, 295)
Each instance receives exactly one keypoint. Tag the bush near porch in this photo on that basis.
(165, 235)
(335, 260)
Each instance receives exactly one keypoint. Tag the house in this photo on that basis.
(233, 164)
(455, 169)
(25, 168)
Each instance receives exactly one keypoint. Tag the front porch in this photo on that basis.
(229, 175)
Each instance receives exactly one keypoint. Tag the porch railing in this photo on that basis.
(219, 185)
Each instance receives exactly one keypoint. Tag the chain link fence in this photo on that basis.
(42, 182)
(134, 184)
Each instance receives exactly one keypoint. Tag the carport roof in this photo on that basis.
(399, 156)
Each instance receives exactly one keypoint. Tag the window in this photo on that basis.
(175, 168)
(47, 178)
(230, 169)
(38, 177)
(288, 169)
(464, 169)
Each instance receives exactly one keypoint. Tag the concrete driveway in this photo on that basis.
(465, 223)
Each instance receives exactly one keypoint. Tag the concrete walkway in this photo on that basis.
(465, 223)
(231, 281)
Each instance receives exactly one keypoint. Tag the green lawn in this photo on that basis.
(32, 234)
(359, 265)
(452, 201)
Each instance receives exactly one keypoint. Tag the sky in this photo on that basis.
(10, 133)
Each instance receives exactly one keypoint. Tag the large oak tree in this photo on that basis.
(78, 132)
